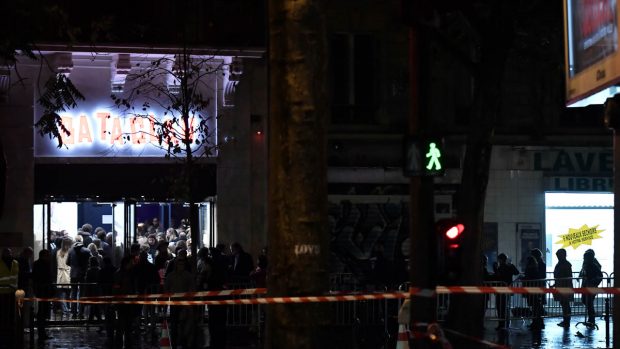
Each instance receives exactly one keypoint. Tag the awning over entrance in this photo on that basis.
(111, 182)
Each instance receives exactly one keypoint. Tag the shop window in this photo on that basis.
(354, 70)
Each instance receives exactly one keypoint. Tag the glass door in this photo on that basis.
(207, 223)
(41, 228)
(124, 223)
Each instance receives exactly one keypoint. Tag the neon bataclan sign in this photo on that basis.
(102, 133)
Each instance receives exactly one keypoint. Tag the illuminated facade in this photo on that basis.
(112, 170)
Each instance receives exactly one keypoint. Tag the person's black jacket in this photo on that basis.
(147, 276)
(78, 261)
(243, 266)
(93, 276)
(42, 278)
(219, 271)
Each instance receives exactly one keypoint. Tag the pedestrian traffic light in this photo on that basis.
(450, 233)
(423, 156)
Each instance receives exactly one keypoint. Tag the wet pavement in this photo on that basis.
(518, 336)
(552, 336)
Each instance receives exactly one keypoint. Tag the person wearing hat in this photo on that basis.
(592, 277)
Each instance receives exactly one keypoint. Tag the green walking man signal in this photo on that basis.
(423, 157)
(434, 154)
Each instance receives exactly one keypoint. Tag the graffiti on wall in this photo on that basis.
(370, 241)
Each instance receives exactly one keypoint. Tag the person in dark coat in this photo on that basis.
(78, 261)
(563, 275)
(106, 281)
(537, 301)
(125, 283)
(242, 263)
(42, 279)
(93, 276)
(181, 317)
(25, 269)
(530, 277)
(85, 232)
(592, 277)
(147, 282)
(217, 314)
(107, 249)
(504, 272)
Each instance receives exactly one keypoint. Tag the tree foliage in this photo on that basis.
(59, 94)
(176, 84)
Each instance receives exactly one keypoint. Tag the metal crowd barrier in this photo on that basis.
(62, 313)
(247, 318)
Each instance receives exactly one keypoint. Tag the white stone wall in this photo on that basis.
(514, 195)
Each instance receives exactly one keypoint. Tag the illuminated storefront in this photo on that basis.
(111, 170)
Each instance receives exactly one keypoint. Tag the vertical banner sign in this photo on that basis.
(530, 236)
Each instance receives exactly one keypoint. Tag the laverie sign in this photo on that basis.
(103, 134)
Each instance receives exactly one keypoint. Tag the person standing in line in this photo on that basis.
(217, 313)
(25, 269)
(85, 232)
(78, 261)
(94, 252)
(63, 271)
(107, 249)
(106, 279)
(592, 277)
(93, 278)
(563, 274)
(181, 317)
(530, 277)
(42, 285)
(125, 283)
(242, 263)
(504, 272)
(538, 301)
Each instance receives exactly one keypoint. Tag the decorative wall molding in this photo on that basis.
(235, 70)
(63, 61)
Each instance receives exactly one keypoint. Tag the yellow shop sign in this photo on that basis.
(580, 236)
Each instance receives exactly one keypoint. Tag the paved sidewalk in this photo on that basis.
(552, 336)
(519, 336)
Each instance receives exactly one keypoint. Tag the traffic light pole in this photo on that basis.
(612, 120)
(422, 256)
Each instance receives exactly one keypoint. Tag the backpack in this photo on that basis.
(595, 279)
(598, 275)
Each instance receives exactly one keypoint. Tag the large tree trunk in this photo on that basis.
(467, 311)
(297, 193)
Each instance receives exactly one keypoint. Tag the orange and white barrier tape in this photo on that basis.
(237, 292)
(417, 292)
(524, 290)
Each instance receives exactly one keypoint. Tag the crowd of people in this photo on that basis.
(535, 275)
(89, 264)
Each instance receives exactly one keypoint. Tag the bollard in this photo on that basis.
(607, 322)
(31, 323)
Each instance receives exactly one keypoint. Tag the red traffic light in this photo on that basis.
(454, 231)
